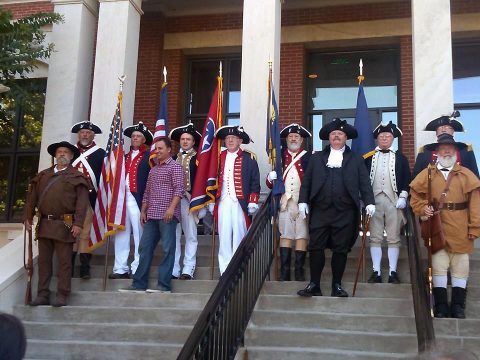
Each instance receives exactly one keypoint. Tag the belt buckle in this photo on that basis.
(450, 206)
(49, 217)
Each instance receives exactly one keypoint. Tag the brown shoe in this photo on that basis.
(60, 301)
(39, 301)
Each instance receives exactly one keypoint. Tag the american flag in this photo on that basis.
(161, 124)
(109, 215)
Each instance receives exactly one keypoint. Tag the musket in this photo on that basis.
(362, 250)
(28, 251)
(429, 248)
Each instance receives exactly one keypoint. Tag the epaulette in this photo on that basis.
(421, 149)
(369, 154)
(252, 154)
(469, 147)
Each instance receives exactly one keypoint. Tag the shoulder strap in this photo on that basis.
(44, 192)
(294, 160)
(445, 191)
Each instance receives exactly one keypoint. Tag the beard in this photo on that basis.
(293, 147)
(62, 160)
(447, 161)
(85, 143)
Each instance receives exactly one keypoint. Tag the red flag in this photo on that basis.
(206, 182)
(109, 214)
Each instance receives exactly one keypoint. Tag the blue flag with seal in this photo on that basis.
(364, 143)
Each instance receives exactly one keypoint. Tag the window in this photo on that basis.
(466, 92)
(332, 88)
(21, 119)
(202, 81)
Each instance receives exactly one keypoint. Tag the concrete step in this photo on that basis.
(469, 327)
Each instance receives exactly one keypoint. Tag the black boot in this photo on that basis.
(74, 256)
(85, 265)
(285, 258)
(299, 263)
(441, 302)
(459, 297)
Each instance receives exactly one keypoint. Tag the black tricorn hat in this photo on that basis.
(390, 128)
(338, 124)
(295, 128)
(446, 120)
(140, 127)
(238, 131)
(176, 133)
(52, 148)
(445, 139)
(86, 125)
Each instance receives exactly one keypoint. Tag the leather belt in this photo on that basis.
(451, 206)
(53, 217)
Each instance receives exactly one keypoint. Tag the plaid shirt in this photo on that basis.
(164, 182)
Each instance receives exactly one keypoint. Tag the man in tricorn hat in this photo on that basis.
(238, 192)
(89, 163)
(137, 169)
(59, 197)
(335, 180)
(187, 137)
(292, 227)
(457, 189)
(389, 176)
(445, 125)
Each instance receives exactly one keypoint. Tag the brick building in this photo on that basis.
(420, 61)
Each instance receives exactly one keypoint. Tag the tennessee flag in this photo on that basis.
(364, 143)
(206, 181)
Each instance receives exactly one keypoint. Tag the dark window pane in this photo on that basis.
(7, 121)
(27, 166)
(203, 80)
(234, 86)
(4, 171)
(31, 127)
(466, 73)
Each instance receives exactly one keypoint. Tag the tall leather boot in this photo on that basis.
(285, 258)
(459, 297)
(299, 263)
(74, 256)
(441, 302)
(85, 265)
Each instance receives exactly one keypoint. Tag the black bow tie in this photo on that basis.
(184, 152)
(384, 151)
(444, 169)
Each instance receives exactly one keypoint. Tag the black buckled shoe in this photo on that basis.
(310, 290)
(374, 278)
(393, 278)
(115, 276)
(186, 277)
(338, 291)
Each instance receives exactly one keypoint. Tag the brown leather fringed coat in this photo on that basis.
(457, 224)
(68, 195)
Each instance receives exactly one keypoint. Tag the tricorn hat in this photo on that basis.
(338, 124)
(390, 128)
(176, 133)
(140, 127)
(52, 148)
(445, 139)
(446, 120)
(238, 131)
(86, 125)
(295, 128)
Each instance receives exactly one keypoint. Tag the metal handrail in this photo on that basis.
(220, 328)
(423, 318)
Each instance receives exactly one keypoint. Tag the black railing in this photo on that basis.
(220, 328)
(420, 292)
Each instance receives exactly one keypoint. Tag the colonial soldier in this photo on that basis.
(389, 176)
(136, 174)
(331, 188)
(445, 125)
(89, 163)
(238, 192)
(59, 194)
(187, 137)
(458, 189)
(292, 227)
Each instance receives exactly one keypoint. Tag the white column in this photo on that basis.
(432, 64)
(69, 72)
(116, 55)
(260, 44)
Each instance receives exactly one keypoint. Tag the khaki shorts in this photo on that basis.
(290, 225)
(457, 263)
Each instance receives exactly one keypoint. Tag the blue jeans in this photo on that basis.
(153, 231)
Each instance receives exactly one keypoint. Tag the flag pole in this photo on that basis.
(360, 76)
(164, 74)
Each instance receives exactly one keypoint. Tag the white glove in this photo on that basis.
(201, 213)
(272, 175)
(252, 208)
(370, 209)
(211, 207)
(401, 203)
(303, 210)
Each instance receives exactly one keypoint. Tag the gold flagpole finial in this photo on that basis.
(122, 81)
(164, 74)
(220, 69)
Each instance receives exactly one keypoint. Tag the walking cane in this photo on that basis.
(362, 250)
(104, 286)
